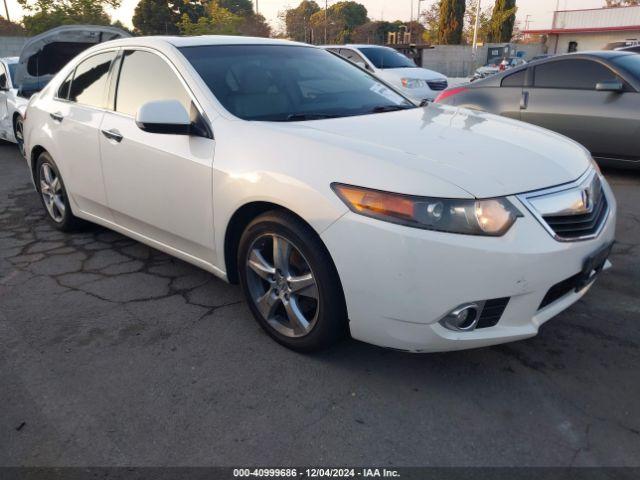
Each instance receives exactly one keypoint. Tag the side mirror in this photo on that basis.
(3, 82)
(164, 116)
(610, 86)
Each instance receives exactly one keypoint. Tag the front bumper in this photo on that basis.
(400, 281)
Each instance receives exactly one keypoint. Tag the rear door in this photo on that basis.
(75, 115)
(563, 98)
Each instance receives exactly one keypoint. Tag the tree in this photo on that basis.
(243, 8)
(46, 14)
(502, 21)
(451, 22)
(484, 25)
(161, 17)
(10, 29)
(217, 21)
(375, 32)
(431, 20)
(255, 25)
(154, 17)
(296, 20)
(341, 20)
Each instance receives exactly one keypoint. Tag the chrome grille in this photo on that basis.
(577, 226)
(437, 85)
(572, 212)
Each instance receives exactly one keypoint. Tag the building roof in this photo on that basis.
(593, 20)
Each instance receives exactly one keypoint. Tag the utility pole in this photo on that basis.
(475, 28)
(326, 7)
(411, 23)
(6, 9)
(257, 8)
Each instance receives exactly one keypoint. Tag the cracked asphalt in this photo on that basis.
(112, 353)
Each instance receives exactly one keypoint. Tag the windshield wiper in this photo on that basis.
(295, 117)
(390, 108)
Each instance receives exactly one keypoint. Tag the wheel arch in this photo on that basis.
(237, 224)
(36, 151)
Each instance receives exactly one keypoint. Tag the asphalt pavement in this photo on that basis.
(112, 353)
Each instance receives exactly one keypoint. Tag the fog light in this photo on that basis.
(463, 319)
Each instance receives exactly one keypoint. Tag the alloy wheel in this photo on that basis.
(282, 285)
(52, 193)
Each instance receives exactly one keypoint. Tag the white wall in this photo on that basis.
(588, 41)
(458, 60)
(597, 18)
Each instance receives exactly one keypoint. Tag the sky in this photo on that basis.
(540, 11)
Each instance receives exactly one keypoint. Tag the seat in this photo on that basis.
(258, 95)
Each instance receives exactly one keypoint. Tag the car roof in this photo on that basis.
(9, 60)
(198, 41)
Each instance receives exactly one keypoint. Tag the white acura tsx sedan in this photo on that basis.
(337, 204)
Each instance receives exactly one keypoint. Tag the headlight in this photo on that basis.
(490, 217)
(413, 83)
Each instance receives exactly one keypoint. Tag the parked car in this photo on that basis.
(40, 59)
(592, 98)
(497, 66)
(8, 99)
(394, 68)
(334, 201)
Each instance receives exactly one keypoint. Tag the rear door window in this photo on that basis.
(578, 74)
(352, 56)
(89, 83)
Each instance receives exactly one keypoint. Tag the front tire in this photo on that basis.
(53, 195)
(290, 283)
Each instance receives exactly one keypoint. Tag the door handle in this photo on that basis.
(524, 101)
(57, 117)
(113, 134)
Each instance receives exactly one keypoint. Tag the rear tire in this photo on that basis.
(290, 283)
(53, 195)
(18, 131)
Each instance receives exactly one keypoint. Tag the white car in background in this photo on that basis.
(394, 68)
(495, 66)
(12, 105)
(338, 204)
(40, 59)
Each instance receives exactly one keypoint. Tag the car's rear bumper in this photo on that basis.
(399, 282)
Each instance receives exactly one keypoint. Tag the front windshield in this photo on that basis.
(387, 58)
(281, 83)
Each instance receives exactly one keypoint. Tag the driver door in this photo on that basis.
(158, 185)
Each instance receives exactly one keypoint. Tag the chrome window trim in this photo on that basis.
(585, 179)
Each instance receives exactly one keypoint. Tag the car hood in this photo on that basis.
(482, 154)
(46, 54)
(419, 73)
